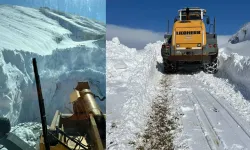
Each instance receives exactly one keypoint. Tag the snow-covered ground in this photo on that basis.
(68, 49)
(210, 111)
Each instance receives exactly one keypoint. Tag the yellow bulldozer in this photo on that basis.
(190, 42)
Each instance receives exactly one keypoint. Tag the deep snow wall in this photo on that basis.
(234, 57)
(235, 68)
(130, 76)
(68, 48)
(59, 74)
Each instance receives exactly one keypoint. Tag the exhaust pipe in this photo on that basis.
(187, 12)
(168, 26)
(214, 25)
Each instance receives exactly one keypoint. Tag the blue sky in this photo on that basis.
(152, 15)
(95, 9)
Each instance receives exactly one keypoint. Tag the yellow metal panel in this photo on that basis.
(185, 33)
(95, 134)
(55, 121)
(188, 45)
(74, 96)
(189, 38)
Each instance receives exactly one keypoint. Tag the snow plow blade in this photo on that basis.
(13, 142)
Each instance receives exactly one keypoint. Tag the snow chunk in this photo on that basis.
(29, 132)
(186, 108)
(120, 65)
(116, 40)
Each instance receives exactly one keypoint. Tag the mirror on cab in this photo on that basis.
(175, 19)
(208, 20)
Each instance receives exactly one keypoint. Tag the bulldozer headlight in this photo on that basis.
(178, 52)
(199, 45)
(177, 45)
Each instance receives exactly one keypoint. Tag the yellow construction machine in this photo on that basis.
(84, 129)
(190, 42)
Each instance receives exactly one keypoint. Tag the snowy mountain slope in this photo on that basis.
(54, 29)
(65, 54)
(242, 35)
(94, 9)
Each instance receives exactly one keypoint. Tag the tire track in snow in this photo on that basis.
(162, 121)
(211, 137)
(218, 121)
(233, 117)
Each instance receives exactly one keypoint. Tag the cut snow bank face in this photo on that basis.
(235, 62)
(130, 79)
(236, 68)
(69, 49)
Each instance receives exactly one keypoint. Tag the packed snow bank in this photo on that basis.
(27, 33)
(234, 59)
(236, 68)
(222, 40)
(130, 79)
(235, 64)
(241, 48)
(59, 74)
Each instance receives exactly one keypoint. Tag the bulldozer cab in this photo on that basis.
(194, 15)
(191, 14)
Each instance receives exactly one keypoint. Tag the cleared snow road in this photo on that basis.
(208, 121)
(209, 111)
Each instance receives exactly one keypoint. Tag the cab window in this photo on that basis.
(193, 15)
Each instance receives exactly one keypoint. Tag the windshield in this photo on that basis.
(193, 15)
